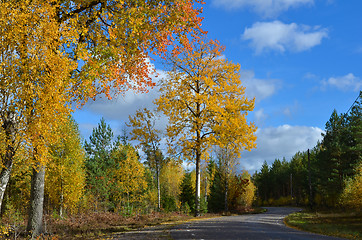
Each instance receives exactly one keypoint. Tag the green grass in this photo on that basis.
(346, 225)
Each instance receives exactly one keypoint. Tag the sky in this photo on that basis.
(300, 59)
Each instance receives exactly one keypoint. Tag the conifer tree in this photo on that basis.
(99, 162)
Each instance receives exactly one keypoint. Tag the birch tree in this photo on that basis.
(149, 137)
(204, 101)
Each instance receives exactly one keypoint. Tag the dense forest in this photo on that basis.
(329, 175)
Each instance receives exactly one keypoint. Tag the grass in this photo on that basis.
(338, 224)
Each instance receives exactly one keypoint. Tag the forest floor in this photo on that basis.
(339, 224)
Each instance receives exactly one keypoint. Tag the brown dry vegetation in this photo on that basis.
(101, 225)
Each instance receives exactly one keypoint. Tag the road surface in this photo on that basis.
(262, 226)
(267, 225)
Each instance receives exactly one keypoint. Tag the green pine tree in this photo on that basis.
(98, 162)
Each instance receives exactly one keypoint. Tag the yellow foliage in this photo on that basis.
(352, 193)
(65, 175)
(54, 53)
(171, 177)
(248, 196)
(241, 192)
(205, 104)
(144, 131)
(129, 177)
(204, 101)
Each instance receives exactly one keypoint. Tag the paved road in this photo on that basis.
(267, 225)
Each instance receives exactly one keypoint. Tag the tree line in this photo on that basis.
(107, 174)
(329, 175)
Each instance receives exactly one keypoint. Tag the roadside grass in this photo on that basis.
(338, 224)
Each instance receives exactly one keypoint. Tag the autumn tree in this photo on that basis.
(248, 195)
(352, 193)
(205, 105)
(34, 84)
(149, 137)
(65, 175)
(129, 178)
(170, 178)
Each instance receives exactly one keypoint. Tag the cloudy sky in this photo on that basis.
(299, 58)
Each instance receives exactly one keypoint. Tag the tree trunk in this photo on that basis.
(227, 159)
(198, 186)
(61, 198)
(35, 221)
(205, 189)
(9, 126)
(158, 187)
(4, 179)
(226, 207)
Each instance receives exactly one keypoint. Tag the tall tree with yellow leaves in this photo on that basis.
(62, 51)
(65, 175)
(149, 137)
(205, 104)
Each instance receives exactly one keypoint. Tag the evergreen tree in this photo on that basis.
(98, 163)
(187, 195)
(216, 198)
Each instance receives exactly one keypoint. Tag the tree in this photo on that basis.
(352, 193)
(129, 178)
(65, 175)
(226, 159)
(216, 200)
(187, 194)
(99, 162)
(248, 195)
(262, 182)
(171, 177)
(144, 131)
(34, 84)
(205, 105)
(341, 150)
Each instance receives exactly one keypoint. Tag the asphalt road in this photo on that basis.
(267, 225)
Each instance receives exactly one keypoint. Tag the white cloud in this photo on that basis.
(281, 37)
(260, 116)
(266, 8)
(258, 88)
(279, 142)
(348, 82)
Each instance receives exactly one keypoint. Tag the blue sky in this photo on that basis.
(299, 58)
